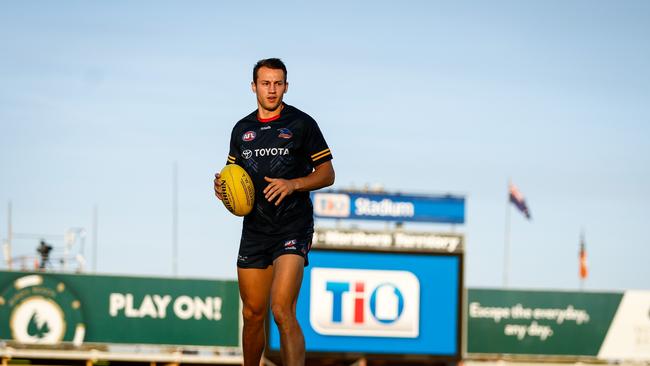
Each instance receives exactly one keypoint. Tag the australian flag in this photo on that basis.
(518, 200)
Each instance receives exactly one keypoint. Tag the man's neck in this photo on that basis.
(266, 114)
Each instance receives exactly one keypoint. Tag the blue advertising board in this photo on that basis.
(379, 303)
(389, 207)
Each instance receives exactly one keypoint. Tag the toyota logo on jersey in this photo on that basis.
(371, 303)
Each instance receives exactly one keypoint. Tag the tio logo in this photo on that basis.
(372, 303)
(331, 204)
(386, 302)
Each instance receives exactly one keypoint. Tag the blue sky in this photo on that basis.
(98, 99)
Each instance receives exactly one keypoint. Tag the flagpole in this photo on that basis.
(506, 241)
(175, 219)
(95, 218)
(582, 284)
(6, 246)
(580, 256)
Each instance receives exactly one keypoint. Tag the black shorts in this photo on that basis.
(260, 253)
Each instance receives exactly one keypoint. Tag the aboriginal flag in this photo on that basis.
(518, 200)
(583, 258)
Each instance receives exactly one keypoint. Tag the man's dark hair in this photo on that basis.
(271, 63)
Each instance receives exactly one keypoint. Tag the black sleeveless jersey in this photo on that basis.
(288, 146)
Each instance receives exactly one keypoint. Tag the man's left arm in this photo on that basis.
(278, 188)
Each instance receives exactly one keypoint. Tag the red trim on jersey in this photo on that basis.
(267, 120)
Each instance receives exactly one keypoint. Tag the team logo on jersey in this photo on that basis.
(285, 133)
(249, 136)
(41, 310)
(247, 154)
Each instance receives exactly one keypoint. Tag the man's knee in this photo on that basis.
(254, 314)
(283, 314)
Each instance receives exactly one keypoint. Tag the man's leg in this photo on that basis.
(287, 277)
(254, 289)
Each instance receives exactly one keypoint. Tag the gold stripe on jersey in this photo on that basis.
(323, 152)
(231, 159)
(321, 155)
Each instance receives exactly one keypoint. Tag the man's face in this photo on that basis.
(270, 88)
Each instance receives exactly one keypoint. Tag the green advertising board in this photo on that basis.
(539, 322)
(51, 308)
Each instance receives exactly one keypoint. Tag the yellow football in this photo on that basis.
(237, 191)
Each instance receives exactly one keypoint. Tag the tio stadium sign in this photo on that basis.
(373, 303)
(389, 207)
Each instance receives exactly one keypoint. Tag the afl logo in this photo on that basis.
(41, 310)
(249, 136)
